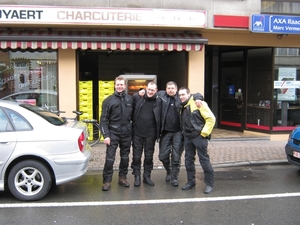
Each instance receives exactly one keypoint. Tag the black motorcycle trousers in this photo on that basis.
(200, 144)
(170, 148)
(116, 141)
(140, 145)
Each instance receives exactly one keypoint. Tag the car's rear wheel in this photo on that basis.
(29, 180)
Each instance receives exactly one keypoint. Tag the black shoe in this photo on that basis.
(175, 183)
(123, 182)
(137, 181)
(106, 186)
(148, 181)
(168, 178)
(188, 186)
(208, 189)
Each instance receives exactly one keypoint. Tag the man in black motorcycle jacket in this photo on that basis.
(116, 127)
(171, 140)
(197, 123)
(146, 128)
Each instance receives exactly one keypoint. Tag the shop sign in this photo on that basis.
(102, 16)
(286, 84)
(275, 24)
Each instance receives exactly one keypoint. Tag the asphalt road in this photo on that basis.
(243, 195)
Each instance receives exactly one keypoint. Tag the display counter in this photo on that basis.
(284, 116)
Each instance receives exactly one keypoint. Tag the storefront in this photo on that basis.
(58, 58)
(254, 76)
(237, 68)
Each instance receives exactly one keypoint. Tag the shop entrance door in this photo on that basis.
(232, 83)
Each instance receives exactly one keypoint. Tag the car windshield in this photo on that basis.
(49, 116)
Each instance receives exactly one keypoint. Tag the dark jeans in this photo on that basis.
(115, 142)
(140, 145)
(170, 145)
(200, 144)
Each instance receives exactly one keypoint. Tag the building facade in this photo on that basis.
(246, 68)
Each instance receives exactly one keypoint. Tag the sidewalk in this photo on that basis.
(223, 152)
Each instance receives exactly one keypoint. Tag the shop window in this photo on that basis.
(287, 52)
(29, 76)
(281, 6)
(259, 100)
(286, 92)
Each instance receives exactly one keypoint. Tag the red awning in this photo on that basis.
(101, 40)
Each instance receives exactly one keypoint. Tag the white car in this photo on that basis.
(39, 149)
(35, 97)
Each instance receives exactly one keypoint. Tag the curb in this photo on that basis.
(221, 165)
(252, 163)
(241, 139)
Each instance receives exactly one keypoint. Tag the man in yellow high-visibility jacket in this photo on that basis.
(197, 123)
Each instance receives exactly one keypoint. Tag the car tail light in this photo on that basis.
(81, 142)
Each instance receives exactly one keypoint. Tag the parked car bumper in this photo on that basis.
(290, 151)
(71, 168)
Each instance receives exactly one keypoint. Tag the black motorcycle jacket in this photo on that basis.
(196, 121)
(165, 103)
(116, 115)
(138, 102)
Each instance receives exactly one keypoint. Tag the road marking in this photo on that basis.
(143, 202)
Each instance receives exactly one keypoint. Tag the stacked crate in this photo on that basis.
(86, 103)
(106, 88)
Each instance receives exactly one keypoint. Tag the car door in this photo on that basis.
(8, 139)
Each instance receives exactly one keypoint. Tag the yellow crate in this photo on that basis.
(85, 91)
(85, 96)
(106, 84)
(90, 128)
(85, 84)
(103, 96)
(86, 109)
(91, 132)
(106, 90)
(86, 116)
(87, 102)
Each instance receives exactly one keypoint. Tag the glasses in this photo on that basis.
(151, 90)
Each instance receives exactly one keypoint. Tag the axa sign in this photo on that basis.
(275, 24)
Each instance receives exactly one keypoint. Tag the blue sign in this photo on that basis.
(261, 23)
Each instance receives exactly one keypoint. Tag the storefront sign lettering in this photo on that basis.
(6, 79)
(33, 81)
(275, 24)
(87, 15)
(36, 81)
(102, 16)
(21, 14)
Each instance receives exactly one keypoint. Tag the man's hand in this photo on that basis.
(107, 141)
(198, 103)
(142, 92)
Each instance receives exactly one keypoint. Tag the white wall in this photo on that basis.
(67, 81)
(196, 71)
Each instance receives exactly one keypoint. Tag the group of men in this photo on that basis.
(178, 119)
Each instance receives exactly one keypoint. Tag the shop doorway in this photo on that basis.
(241, 81)
(99, 65)
(232, 92)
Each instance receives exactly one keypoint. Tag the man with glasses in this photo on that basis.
(146, 128)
